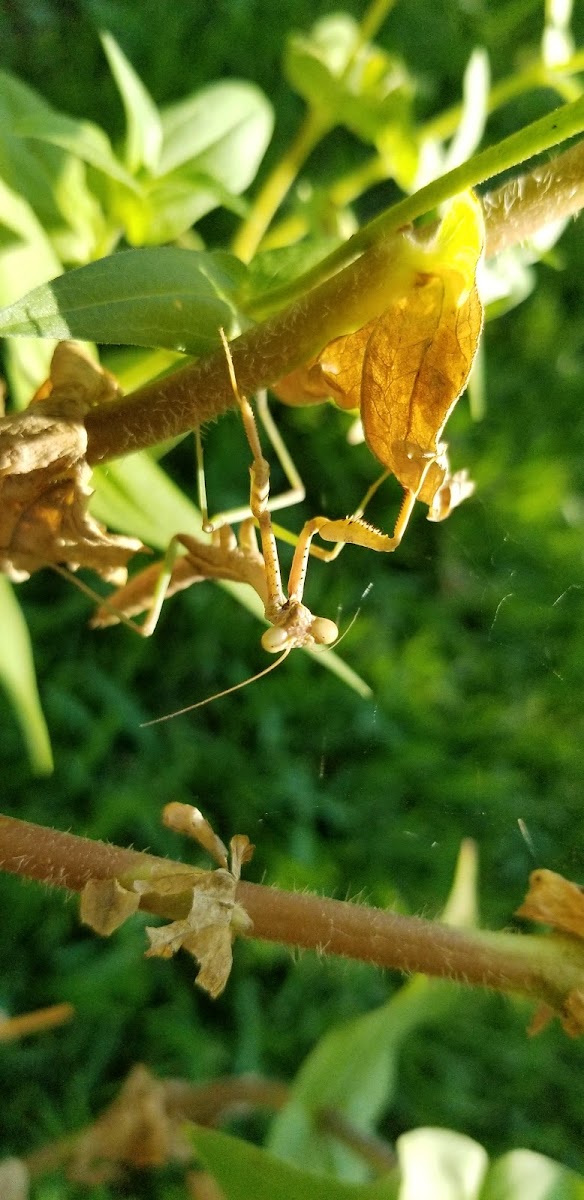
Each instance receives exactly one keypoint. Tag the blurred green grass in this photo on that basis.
(471, 637)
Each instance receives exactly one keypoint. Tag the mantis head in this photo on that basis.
(295, 626)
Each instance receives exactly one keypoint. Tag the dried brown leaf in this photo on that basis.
(105, 905)
(553, 900)
(215, 917)
(45, 480)
(416, 364)
(221, 558)
(208, 930)
(186, 819)
(405, 369)
(572, 1016)
(135, 1130)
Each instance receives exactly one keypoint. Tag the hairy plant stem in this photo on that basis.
(547, 968)
(202, 390)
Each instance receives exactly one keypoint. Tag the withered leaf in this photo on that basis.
(45, 480)
(405, 369)
(416, 364)
(221, 558)
(553, 900)
(136, 1130)
(214, 920)
(186, 819)
(105, 904)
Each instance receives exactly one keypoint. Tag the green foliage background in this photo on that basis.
(471, 637)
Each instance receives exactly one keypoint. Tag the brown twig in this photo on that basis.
(548, 968)
(201, 391)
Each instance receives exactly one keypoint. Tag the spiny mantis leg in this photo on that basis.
(294, 495)
(162, 573)
(351, 530)
(259, 493)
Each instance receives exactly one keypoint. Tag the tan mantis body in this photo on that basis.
(241, 561)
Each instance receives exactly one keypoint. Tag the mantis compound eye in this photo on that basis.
(324, 631)
(275, 639)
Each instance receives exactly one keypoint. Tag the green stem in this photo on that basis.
(314, 127)
(541, 135)
(277, 186)
(349, 187)
(371, 22)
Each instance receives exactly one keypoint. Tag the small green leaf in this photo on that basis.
(352, 1069)
(81, 138)
(244, 1172)
(167, 297)
(17, 675)
(221, 132)
(271, 268)
(143, 128)
(441, 1164)
(169, 206)
(24, 263)
(361, 87)
(524, 1175)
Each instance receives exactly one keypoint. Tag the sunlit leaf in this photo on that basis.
(154, 297)
(81, 138)
(169, 206)
(405, 369)
(475, 100)
(523, 1174)
(221, 131)
(143, 128)
(440, 1163)
(23, 264)
(360, 86)
(416, 364)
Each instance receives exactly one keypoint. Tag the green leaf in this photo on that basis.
(52, 180)
(244, 1172)
(441, 1164)
(32, 170)
(270, 268)
(143, 127)
(352, 1069)
(81, 138)
(17, 675)
(169, 206)
(221, 132)
(24, 263)
(522, 1173)
(166, 297)
(361, 87)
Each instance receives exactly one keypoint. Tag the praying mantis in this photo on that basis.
(408, 366)
(240, 559)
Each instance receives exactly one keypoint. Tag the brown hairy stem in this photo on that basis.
(202, 391)
(549, 968)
